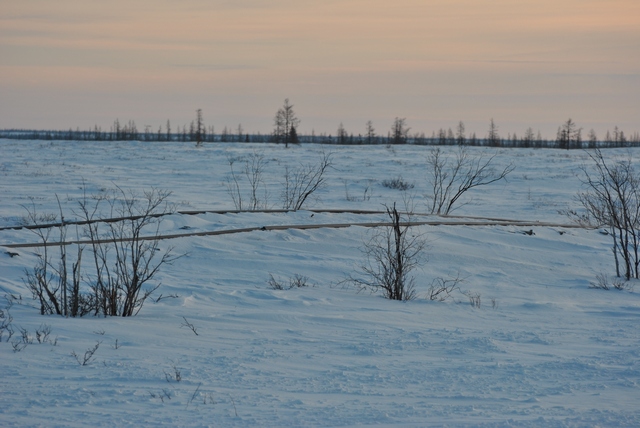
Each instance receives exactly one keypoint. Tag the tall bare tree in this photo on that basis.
(284, 121)
(199, 128)
(370, 133)
(569, 135)
(493, 139)
(399, 131)
(342, 134)
(460, 135)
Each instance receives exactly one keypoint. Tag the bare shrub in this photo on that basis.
(40, 280)
(254, 195)
(296, 281)
(42, 333)
(612, 200)
(474, 299)
(302, 182)
(175, 375)
(189, 326)
(441, 289)
(6, 320)
(391, 254)
(602, 283)
(88, 355)
(18, 345)
(123, 259)
(25, 336)
(397, 183)
(162, 395)
(366, 194)
(450, 177)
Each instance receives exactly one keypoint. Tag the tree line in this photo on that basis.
(285, 131)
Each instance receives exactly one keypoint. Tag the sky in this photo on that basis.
(524, 63)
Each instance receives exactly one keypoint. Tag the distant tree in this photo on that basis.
(493, 139)
(451, 139)
(342, 135)
(568, 136)
(284, 120)
(473, 141)
(224, 137)
(593, 139)
(529, 138)
(115, 130)
(442, 137)
(514, 140)
(199, 128)
(192, 131)
(370, 133)
(607, 139)
(460, 136)
(539, 140)
(399, 131)
(240, 132)
(293, 136)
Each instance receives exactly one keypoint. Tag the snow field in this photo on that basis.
(549, 352)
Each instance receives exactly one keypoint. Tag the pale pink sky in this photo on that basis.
(71, 63)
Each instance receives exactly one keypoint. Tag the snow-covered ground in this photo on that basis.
(543, 349)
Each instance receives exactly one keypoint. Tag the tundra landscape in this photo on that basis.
(263, 313)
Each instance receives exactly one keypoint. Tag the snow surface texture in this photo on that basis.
(543, 349)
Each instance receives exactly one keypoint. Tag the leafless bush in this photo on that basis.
(256, 197)
(602, 283)
(474, 299)
(441, 289)
(123, 260)
(6, 320)
(450, 177)
(189, 326)
(88, 355)
(162, 395)
(25, 336)
(366, 194)
(397, 183)
(391, 254)
(18, 345)
(302, 182)
(612, 200)
(168, 296)
(174, 376)
(42, 333)
(296, 281)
